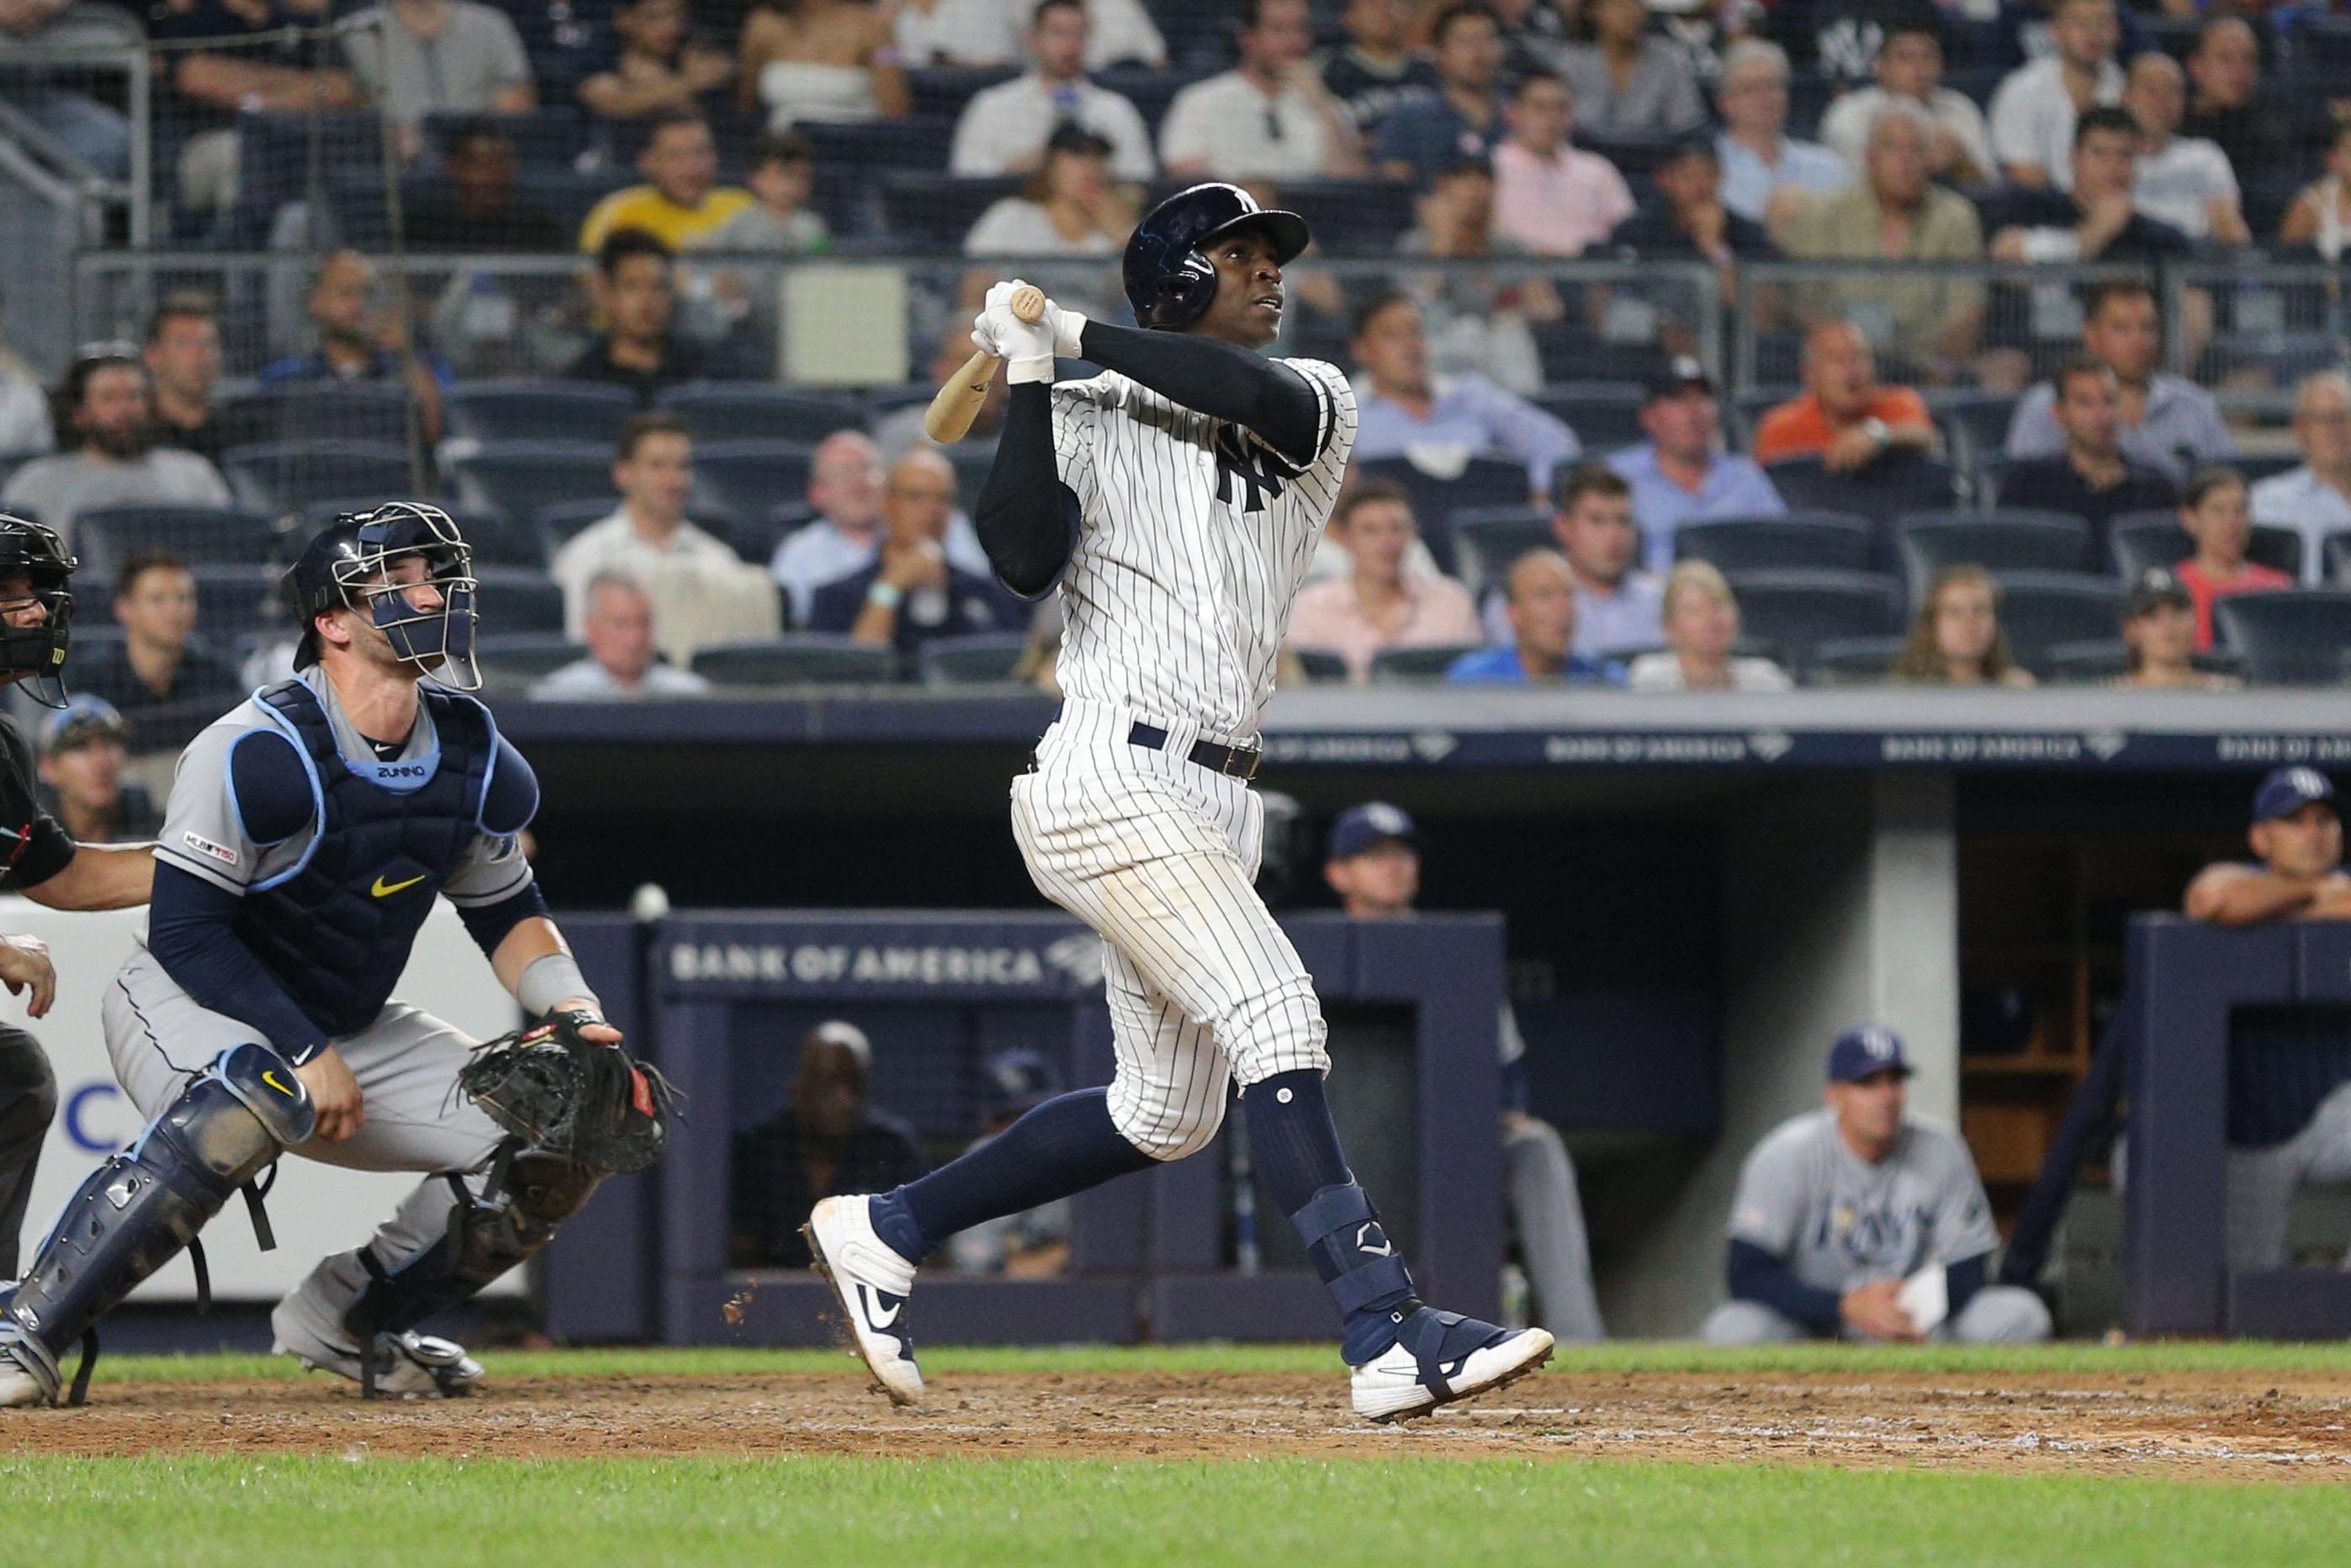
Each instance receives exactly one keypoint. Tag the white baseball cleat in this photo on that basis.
(1441, 1357)
(871, 1282)
(19, 1386)
(309, 1326)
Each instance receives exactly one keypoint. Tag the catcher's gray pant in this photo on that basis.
(28, 1100)
(1996, 1314)
(1160, 856)
(1539, 1179)
(2262, 1182)
(406, 1063)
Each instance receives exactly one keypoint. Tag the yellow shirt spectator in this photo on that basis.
(672, 222)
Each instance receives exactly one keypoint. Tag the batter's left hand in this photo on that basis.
(600, 1032)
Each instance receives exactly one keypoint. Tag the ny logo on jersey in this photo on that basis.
(1260, 473)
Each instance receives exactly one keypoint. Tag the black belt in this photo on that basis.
(1232, 761)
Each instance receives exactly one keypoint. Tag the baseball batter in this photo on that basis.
(307, 833)
(1839, 1209)
(1178, 499)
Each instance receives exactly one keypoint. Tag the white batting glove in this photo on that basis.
(1069, 328)
(1025, 347)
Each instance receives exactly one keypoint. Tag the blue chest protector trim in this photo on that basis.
(336, 927)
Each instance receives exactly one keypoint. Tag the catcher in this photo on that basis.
(307, 833)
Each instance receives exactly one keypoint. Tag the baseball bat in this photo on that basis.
(957, 403)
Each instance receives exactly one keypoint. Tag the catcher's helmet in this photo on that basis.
(350, 563)
(37, 652)
(1169, 278)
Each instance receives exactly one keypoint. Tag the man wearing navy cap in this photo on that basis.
(2298, 835)
(1854, 1221)
(1681, 475)
(1373, 865)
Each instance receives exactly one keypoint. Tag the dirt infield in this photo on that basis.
(2219, 1424)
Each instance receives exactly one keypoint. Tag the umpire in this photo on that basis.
(38, 857)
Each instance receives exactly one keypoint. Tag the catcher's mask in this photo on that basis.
(35, 652)
(358, 561)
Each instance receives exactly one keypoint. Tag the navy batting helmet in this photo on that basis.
(350, 563)
(1169, 278)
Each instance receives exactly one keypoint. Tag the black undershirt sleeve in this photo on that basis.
(1027, 519)
(1223, 380)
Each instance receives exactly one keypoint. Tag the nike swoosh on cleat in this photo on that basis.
(877, 1317)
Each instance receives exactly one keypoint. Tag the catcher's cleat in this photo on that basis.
(306, 1326)
(872, 1283)
(21, 1381)
(1441, 1357)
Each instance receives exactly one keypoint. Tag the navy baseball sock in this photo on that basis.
(1063, 1146)
(1296, 1150)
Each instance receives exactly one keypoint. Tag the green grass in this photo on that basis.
(897, 1514)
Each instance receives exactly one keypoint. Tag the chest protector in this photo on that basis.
(336, 927)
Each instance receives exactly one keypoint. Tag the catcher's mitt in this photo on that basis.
(591, 1103)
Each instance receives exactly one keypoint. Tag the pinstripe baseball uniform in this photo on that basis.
(1194, 538)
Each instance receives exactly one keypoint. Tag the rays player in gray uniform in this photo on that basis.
(1178, 499)
(1838, 1208)
(307, 834)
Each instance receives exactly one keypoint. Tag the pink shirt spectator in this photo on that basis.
(1330, 617)
(1557, 205)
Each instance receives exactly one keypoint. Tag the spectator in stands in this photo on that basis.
(2169, 421)
(1956, 637)
(360, 340)
(1552, 197)
(1270, 117)
(2097, 216)
(1402, 410)
(1618, 606)
(2160, 629)
(2315, 500)
(109, 457)
(621, 661)
(681, 199)
(1701, 626)
(2215, 511)
(829, 1140)
(1005, 129)
(161, 678)
(2033, 112)
(701, 592)
(440, 56)
(2227, 104)
(657, 64)
(910, 594)
(1930, 324)
(845, 486)
(2320, 216)
(1838, 1209)
(986, 32)
(1693, 223)
(1475, 322)
(1540, 649)
(1372, 861)
(636, 289)
(2094, 478)
(479, 211)
(1681, 474)
(1759, 159)
(2183, 180)
(1383, 602)
(85, 746)
(1626, 81)
(1071, 206)
(1844, 416)
(1034, 1244)
(1909, 68)
(1464, 118)
(261, 66)
(1377, 71)
(183, 356)
(781, 177)
(24, 404)
(828, 62)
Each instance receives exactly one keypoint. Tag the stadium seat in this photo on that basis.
(1486, 539)
(1828, 542)
(1853, 661)
(514, 479)
(279, 476)
(1403, 665)
(237, 598)
(1483, 482)
(2003, 539)
(2141, 540)
(756, 539)
(1887, 488)
(539, 411)
(1605, 416)
(105, 536)
(751, 478)
(931, 210)
(972, 661)
(1794, 611)
(806, 658)
(512, 659)
(2090, 663)
(329, 411)
(495, 542)
(1353, 216)
(515, 599)
(971, 461)
(1974, 424)
(850, 158)
(945, 89)
(2289, 637)
(2041, 610)
(744, 411)
(1322, 666)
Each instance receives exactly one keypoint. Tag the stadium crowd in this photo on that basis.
(1955, 479)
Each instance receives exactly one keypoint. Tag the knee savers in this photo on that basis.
(527, 1196)
(142, 1206)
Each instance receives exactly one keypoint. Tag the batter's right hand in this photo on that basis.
(335, 1095)
(25, 961)
(1872, 1309)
